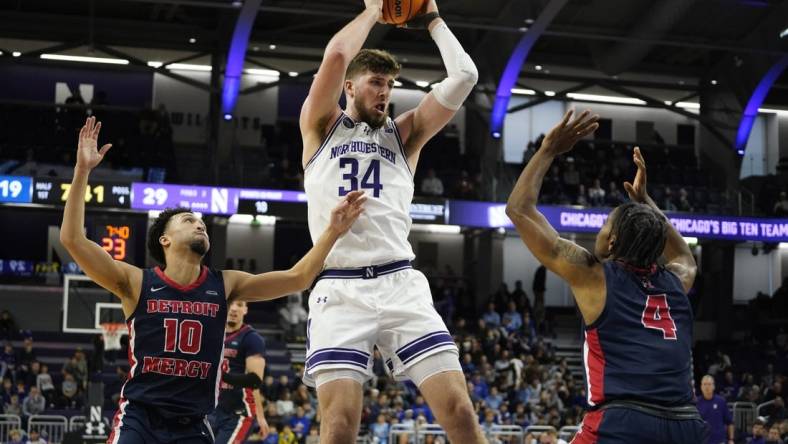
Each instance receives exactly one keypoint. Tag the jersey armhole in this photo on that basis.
(401, 147)
(141, 300)
(325, 140)
(603, 314)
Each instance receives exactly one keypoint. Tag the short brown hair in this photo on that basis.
(373, 60)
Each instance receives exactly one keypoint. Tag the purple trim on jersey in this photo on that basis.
(401, 146)
(325, 141)
(337, 356)
(424, 344)
(179, 287)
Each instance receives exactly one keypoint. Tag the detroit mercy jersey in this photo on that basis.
(176, 336)
(352, 157)
(239, 345)
(640, 348)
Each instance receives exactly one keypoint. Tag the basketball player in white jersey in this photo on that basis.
(368, 294)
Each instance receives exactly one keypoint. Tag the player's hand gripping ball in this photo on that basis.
(398, 12)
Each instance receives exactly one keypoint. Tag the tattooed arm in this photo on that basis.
(573, 263)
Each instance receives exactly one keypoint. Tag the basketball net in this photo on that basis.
(112, 332)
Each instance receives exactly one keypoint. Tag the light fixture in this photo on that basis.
(249, 219)
(255, 48)
(688, 105)
(496, 135)
(189, 67)
(522, 29)
(292, 74)
(784, 33)
(538, 67)
(606, 99)
(549, 93)
(779, 112)
(263, 72)
(228, 116)
(690, 240)
(16, 53)
(192, 40)
(529, 21)
(271, 47)
(397, 83)
(434, 228)
(713, 82)
(523, 91)
(69, 58)
(422, 83)
(155, 64)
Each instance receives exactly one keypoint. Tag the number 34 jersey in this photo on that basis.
(354, 156)
(176, 338)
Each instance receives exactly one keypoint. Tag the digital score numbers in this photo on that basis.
(97, 193)
(116, 240)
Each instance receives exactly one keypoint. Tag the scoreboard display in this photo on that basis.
(287, 210)
(117, 240)
(97, 194)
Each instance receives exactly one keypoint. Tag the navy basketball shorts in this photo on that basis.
(229, 427)
(627, 426)
(134, 424)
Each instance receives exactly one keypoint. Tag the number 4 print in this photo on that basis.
(656, 315)
(370, 181)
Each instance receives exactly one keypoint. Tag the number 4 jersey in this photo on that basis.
(640, 347)
(352, 157)
(176, 339)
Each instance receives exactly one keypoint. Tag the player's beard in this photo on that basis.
(373, 120)
(199, 246)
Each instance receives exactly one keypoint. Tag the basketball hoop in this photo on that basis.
(112, 332)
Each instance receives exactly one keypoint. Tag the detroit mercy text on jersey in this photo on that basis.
(238, 346)
(176, 337)
(355, 156)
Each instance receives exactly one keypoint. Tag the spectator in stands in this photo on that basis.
(286, 435)
(464, 188)
(784, 430)
(15, 437)
(781, 206)
(70, 397)
(31, 377)
(581, 199)
(571, 177)
(773, 392)
(491, 317)
(7, 390)
(667, 200)
(420, 408)
(13, 407)
(550, 437)
(714, 410)
(34, 404)
(285, 406)
(25, 358)
(294, 316)
(432, 185)
(512, 319)
(729, 388)
(8, 327)
(300, 423)
(494, 399)
(8, 360)
(774, 435)
(380, 430)
(684, 203)
(776, 411)
(269, 389)
(596, 194)
(35, 438)
(21, 390)
(520, 297)
(502, 296)
(490, 421)
(758, 433)
(614, 197)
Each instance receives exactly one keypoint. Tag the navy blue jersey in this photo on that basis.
(238, 346)
(640, 348)
(176, 335)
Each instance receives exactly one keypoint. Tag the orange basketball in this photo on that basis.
(397, 12)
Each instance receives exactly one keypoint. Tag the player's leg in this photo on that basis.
(443, 385)
(339, 396)
(688, 431)
(620, 426)
(229, 427)
(130, 425)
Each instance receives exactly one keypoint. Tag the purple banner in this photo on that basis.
(212, 200)
(590, 220)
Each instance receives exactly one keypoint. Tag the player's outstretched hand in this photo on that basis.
(264, 428)
(88, 154)
(344, 214)
(377, 6)
(565, 135)
(637, 190)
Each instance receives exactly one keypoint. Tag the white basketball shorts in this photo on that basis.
(348, 316)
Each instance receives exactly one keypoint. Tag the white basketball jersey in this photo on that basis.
(355, 156)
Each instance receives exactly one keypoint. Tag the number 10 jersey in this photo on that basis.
(355, 156)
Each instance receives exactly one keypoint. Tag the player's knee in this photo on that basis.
(340, 426)
(459, 412)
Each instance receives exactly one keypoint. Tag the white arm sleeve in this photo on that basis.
(455, 88)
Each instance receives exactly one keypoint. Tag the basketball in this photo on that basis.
(398, 12)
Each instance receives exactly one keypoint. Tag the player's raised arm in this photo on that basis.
(262, 287)
(563, 257)
(677, 255)
(113, 275)
(418, 125)
(321, 107)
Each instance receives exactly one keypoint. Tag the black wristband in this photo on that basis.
(422, 21)
(250, 380)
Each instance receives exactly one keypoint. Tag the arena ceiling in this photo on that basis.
(639, 43)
